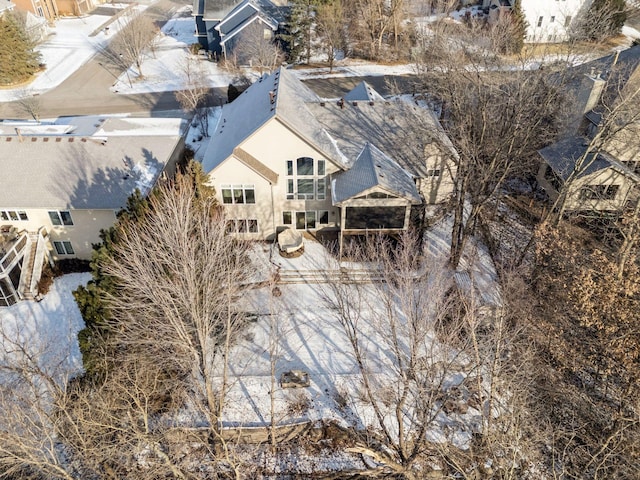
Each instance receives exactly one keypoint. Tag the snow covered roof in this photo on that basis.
(399, 127)
(80, 172)
(373, 169)
(363, 92)
(562, 156)
(278, 96)
(98, 125)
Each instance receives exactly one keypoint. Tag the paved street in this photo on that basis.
(86, 91)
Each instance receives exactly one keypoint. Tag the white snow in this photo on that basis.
(164, 70)
(47, 330)
(68, 48)
(311, 338)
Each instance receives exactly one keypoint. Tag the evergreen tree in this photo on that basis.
(300, 30)
(18, 59)
(604, 19)
(518, 28)
(508, 33)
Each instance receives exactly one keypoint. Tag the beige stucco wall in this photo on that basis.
(604, 177)
(437, 189)
(82, 234)
(272, 145)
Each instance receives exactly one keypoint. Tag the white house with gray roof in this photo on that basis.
(64, 182)
(281, 157)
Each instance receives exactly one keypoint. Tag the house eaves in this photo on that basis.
(233, 33)
(563, 155)
(256, 165)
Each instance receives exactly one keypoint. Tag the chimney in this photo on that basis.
(341, 103)
(272, 97)
(594, 86)
(615, 58)
(19, 134)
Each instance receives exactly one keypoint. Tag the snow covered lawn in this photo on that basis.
(47, 330)
(300, 330)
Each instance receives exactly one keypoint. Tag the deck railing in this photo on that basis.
(14, 253)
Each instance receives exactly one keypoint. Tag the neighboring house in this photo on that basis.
(52, 9)
(602, 184)
(6, 6)
(62, 184)
(281, 157)
(548, 21)
(219, 23)
(606, 179)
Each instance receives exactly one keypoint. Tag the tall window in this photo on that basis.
(540, 21)
(60, 217)
(238, 194)
(307, 219)
(306, 180)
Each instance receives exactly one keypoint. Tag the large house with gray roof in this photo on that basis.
(64, 182)
(602, 175)
(281, 157)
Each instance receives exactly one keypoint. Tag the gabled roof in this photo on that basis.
(363, 92)
(278, 96)
(373, 169)
(242, 13)
(563, 155)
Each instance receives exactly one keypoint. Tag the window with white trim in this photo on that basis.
(13, 215)
(238, 194)
(308, 219)
(306, 179)
(60, 217)
(63, 248)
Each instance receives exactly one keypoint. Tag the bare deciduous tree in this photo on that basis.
(373, 20)
(256, 47)
(195, 96)
(134, 38)
(497, 118)
(424, 338)
(33, 389)
(178, 274)
(330, 29)
(30, 105)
